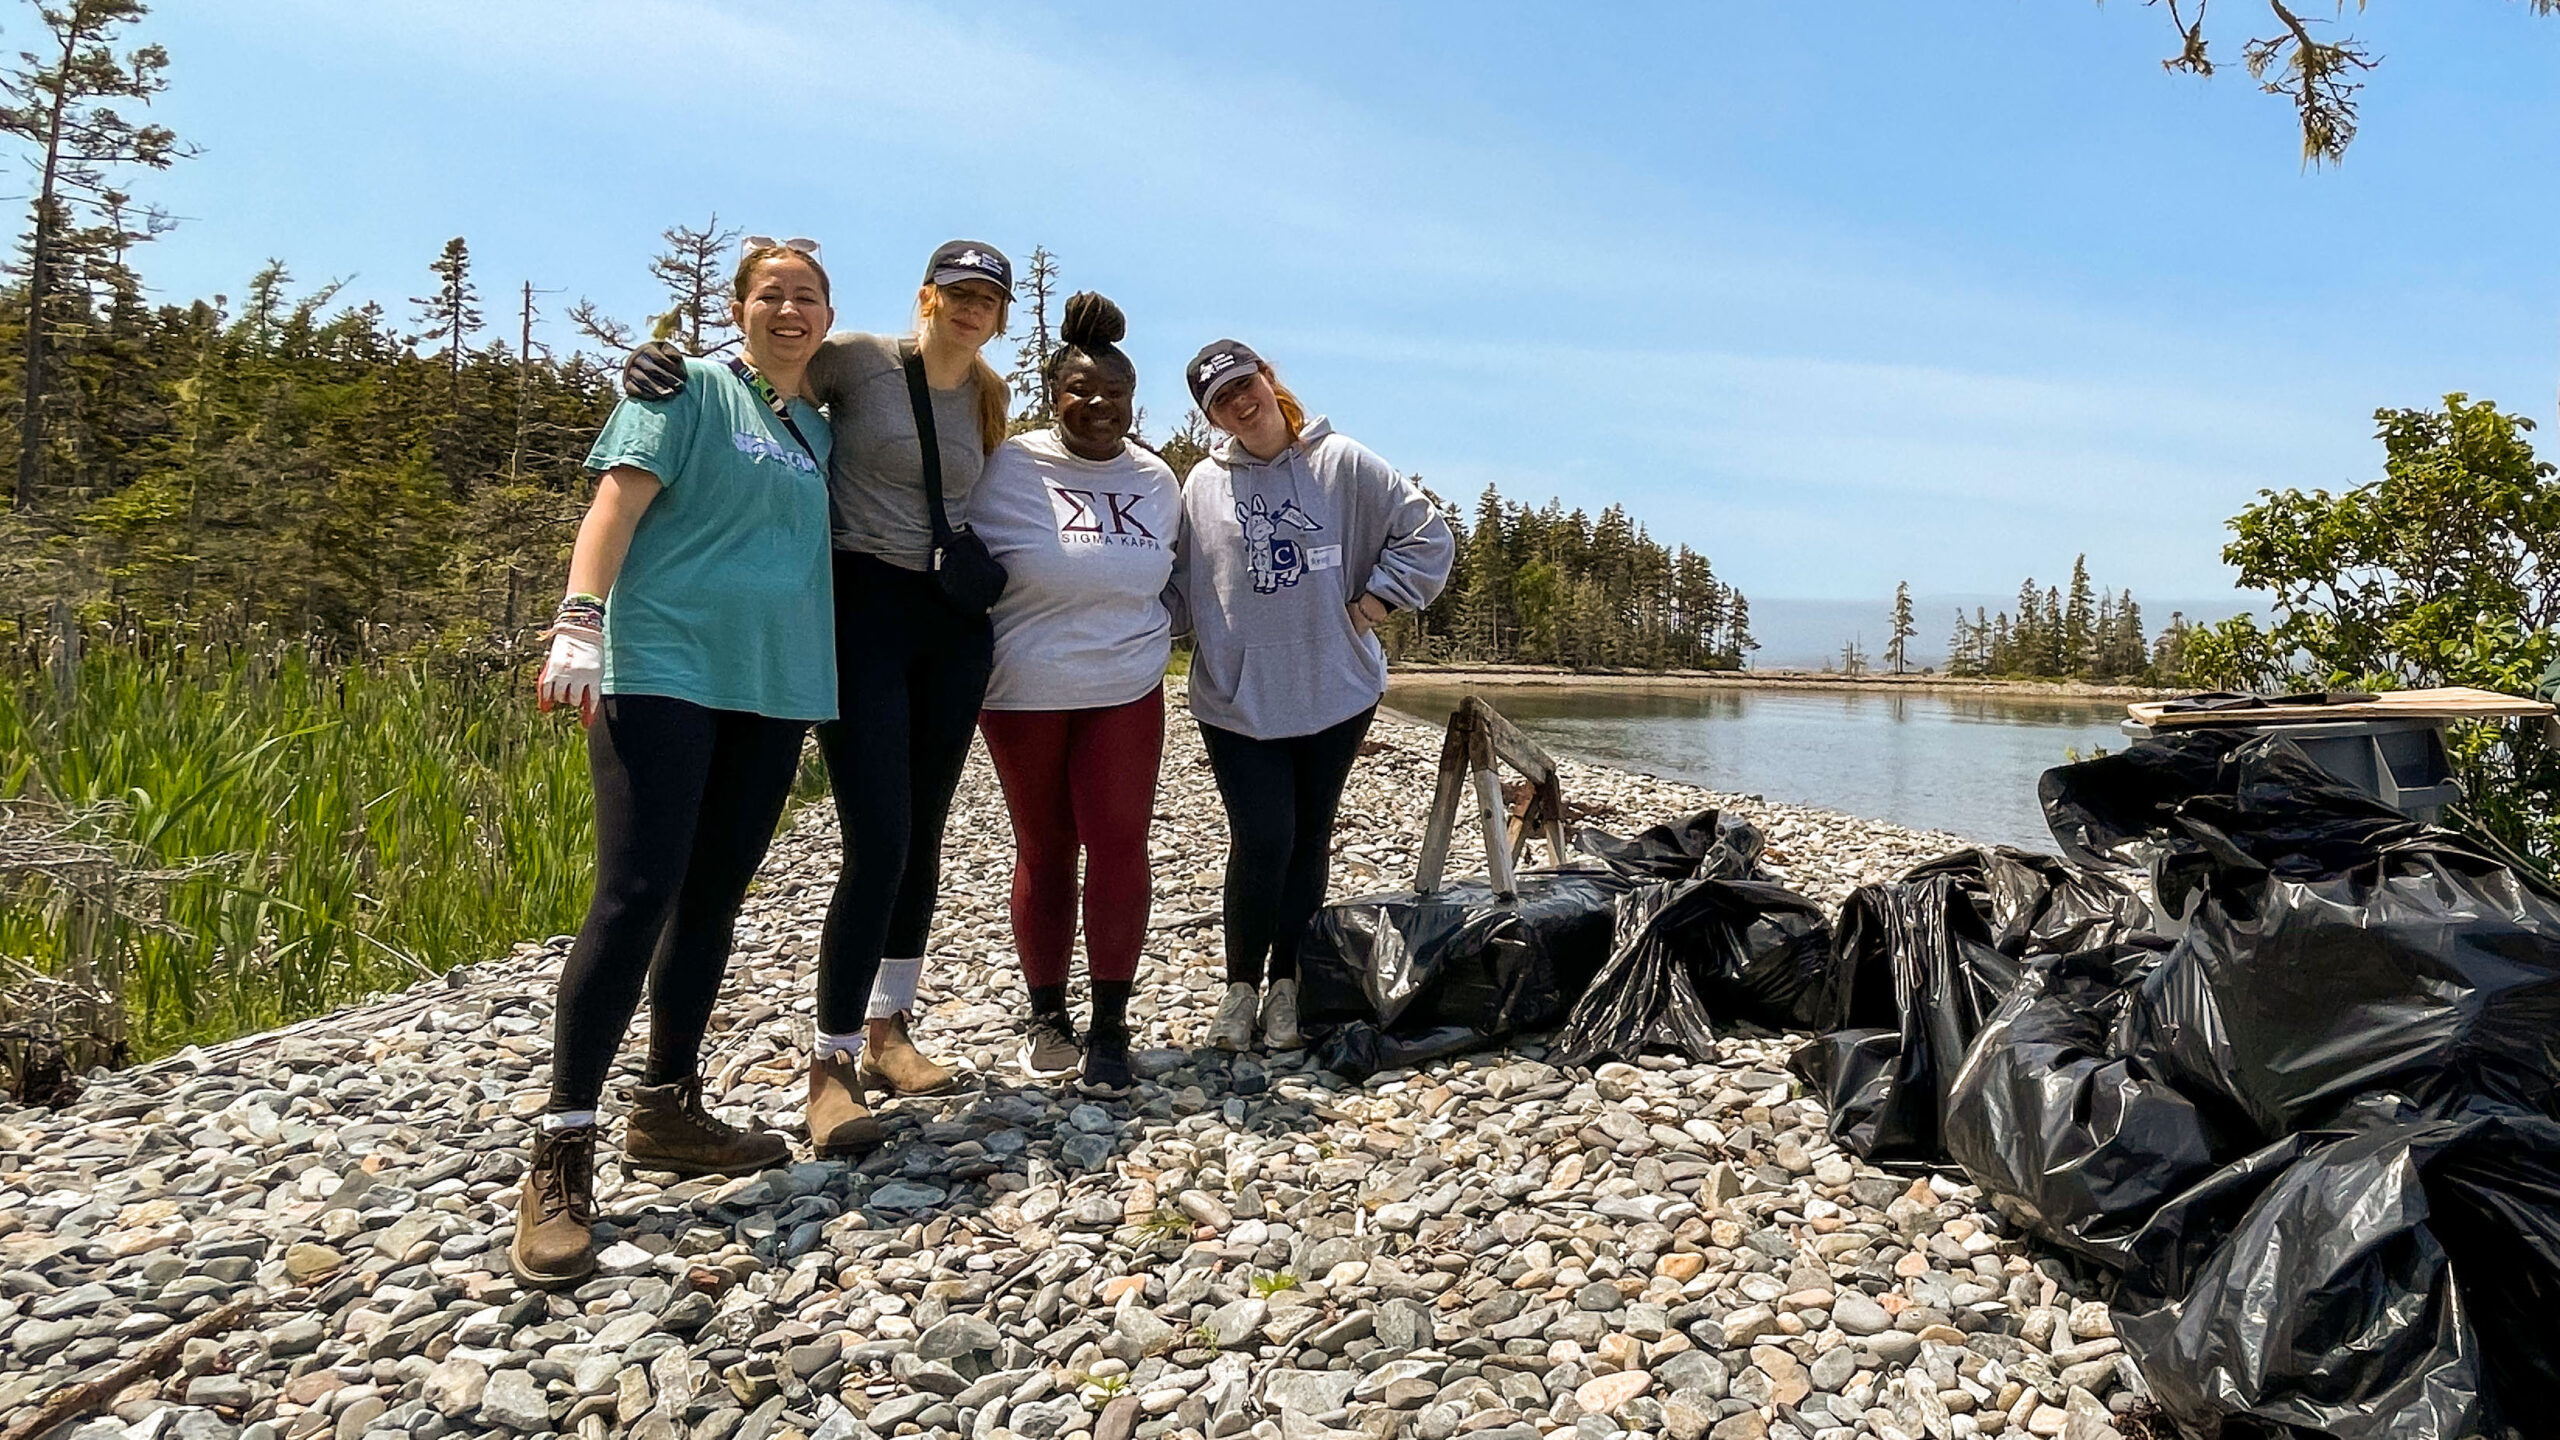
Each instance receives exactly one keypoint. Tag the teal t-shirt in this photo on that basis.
(725, 598)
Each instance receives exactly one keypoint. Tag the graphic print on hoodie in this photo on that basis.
(1273, 559)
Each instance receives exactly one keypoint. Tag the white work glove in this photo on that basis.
(574, 675)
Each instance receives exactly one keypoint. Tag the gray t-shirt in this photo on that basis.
(875, 478)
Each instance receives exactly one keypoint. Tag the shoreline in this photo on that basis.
(1509, 677)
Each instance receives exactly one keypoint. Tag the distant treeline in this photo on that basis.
(1556, 587)
(2079, 634)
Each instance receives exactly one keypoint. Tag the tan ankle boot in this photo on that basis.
(898, 1067)
(840, 1126)
(670, 1130)
(555, 1242)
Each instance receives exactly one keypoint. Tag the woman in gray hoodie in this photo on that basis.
(1297, 543)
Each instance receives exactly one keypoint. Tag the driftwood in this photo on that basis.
(70, 1402)
(1478, 738)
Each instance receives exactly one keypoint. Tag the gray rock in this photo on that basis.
(956, 1336)
(1308, 1392)
(1833, 1367)
(1042, 1420)
(907, 1195)
(1404, 1326)
(457, 1387)
(1858, 1314)
(1233, 1324)
(514, 1399)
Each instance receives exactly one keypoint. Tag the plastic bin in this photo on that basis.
(2402, 763)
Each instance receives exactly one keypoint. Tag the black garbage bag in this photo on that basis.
(2078, 1145)
(2396, 1281)
(1704, 846)
(1459, 959)
(1930, 957)
(2114, 812)
(2337, 949)
(1695, 951)
(1358, 1050)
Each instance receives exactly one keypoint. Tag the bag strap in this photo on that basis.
(922, 399)
(754, 380)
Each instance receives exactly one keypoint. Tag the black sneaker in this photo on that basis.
(1106, 1061)
(1052, 1052)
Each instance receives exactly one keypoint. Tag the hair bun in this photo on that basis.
(1092, 319)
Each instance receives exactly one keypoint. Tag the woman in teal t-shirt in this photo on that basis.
(698, 671)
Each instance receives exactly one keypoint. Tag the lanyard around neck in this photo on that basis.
(754, 380)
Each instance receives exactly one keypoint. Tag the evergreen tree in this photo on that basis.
(450, 314)
(1897, 646)
(2079, 623)
(54, 104)
(1031, 360)
(695, 269)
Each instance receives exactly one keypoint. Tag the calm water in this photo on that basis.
(1962, 763)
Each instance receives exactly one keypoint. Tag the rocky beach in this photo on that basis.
(303, 1233)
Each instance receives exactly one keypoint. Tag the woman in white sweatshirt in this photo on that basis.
(1297, 543)
(1086, 525)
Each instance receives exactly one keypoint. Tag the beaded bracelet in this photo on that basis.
(580, 610)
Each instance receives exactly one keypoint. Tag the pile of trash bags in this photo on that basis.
(2313, 1134)
(1633, 945)
(2283, 1060)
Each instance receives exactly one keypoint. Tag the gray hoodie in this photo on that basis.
(1273, 553)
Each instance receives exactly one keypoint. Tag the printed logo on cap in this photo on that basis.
(1216, 365)
(974, 260)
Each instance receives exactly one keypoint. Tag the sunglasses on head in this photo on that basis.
(801, 243)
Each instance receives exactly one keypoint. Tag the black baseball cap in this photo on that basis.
(1219, 364)
(960, 260)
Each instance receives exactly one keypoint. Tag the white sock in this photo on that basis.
(847, 1047)
(567, 1120)
(893, 991)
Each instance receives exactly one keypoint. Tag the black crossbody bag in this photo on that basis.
(970, 578)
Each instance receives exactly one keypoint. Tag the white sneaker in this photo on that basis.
(1280, 1017)
(1234, 1028)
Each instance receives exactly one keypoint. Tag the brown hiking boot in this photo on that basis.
(897, 1066)
(669, 1130)
(556, 1210)
(840, 1125)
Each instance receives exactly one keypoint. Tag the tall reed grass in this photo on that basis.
(356, 823)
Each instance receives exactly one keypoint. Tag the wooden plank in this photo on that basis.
(2453, 702)
(1489, 814)
(1444, 803)
(1523, 753)
(1552, 815)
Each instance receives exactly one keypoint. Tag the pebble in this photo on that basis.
(1242, 1248)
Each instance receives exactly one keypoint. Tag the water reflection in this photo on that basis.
(1959, 762)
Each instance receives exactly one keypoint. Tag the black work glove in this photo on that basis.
(654, 371)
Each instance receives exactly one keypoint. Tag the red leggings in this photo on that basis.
(1079, 778)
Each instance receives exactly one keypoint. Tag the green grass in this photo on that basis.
(365, 824)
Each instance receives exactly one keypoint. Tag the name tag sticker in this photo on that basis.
(1324, 557)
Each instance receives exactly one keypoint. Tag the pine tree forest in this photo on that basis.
(1549, 586)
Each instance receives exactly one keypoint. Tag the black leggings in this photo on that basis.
(686, 802)
(912, 671)
(1280, 797)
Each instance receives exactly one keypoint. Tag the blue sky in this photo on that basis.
(1840, 294)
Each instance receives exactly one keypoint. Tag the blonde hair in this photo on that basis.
(748, 262)
(1292, 413)
(993, 412)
